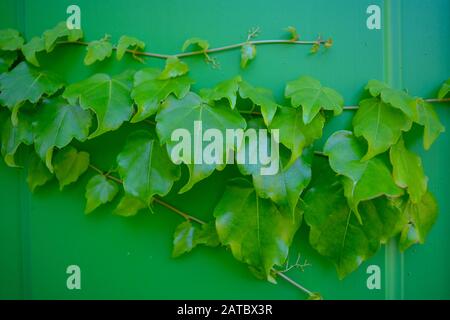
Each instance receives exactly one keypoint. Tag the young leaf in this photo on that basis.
(56, 124)
(181, 114)
(32, 47)
(200, 43)
(145, 167)
(248, 53)
(7, 58)
(261, 97)
(294, 133)
(126, 42)
(109, 97)
(408, 171)
(293, 32)
(38, 173)
(365, 180)
(129, 206)
(174, 68)
(98, 50)
(312, 96)
(257, 231)
(99, 190)
(187, 236)
(60, 32)
(428, 118)
(148, 91)
(10, 40)
(380, 124)
(224, 90)
(69, 165)
(444, 90)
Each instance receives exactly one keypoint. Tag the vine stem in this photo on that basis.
(212, 50)
(195, 219)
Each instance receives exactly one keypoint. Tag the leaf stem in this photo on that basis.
(294, 283)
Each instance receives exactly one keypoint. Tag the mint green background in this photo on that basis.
(41, 234)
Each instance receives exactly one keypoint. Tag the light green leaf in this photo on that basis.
(38, 174)
(248, 53)
(98, 50)
(99, 190)
(29, 50)
(187, 236)
(7, 58)
(261, 97)
(129, 206)
(294, 34)
(380, 124)
(200, 43)
(126, 42)
(149, 91)
(257, 231)
(10, 40)
(109, 97)
(312, 96)
(408, 171)
(181, 114)
(60, 32)
(224, 90)
(294, 133)
(69, 165)
(364, 180)
(145, 167)
(56, 124)
(444, 90)
(174, 68)
(429, 119)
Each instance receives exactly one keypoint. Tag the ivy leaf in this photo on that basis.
(248, 53)
(146, 168)
(261, 97)
(10, 40)
(12, 136)
(126, 42)
(335, 232)
(198, 42)
(98, 50)
(408, 171)
(99, 190)
(224, 90)
(56, 124)
(174, 68)
(129, 206)
(38, 174)
(187, 236)
(108, 97)
(365, 179)
(380, 124)
(181, 114)
(149, 91)
(26, 83)
(312, 96)
(294, 133)
(29, 50)
(293, 32)
(7, 58)
(444, 90)
(60, 32)
(69, 165)
(428, 118)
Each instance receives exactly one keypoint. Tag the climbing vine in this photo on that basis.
(362, 189)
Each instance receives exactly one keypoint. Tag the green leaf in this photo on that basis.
(126, 42)
(7, 58)
(408, 171)
(26, 83)
(365, 179)
(312, 96)
(129, 206)
(98, 50)
(29, 50)
(99, 190)
(174, 68)
(335, 232)
(261, 97)
(145, 167)
(69, 165)
(380, 124)
(429, 119)
(56, 124)
(38, 174)
(444, 90)
(224, 90)
(187, 236)
(293, 32)
(109, 97)
(181, 114)
(60, 32)
(294, 133)
(198, 42)
(10, 40)
(248, 53)
(148, 91)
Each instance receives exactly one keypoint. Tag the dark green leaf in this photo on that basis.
(99, 190)
(38, 173)
(7, 58)
(69, 165)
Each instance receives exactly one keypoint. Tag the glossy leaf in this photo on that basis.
(69, 165)
(99, 190)
(38, 173)
(261, 97)
(187, 236)
(312, 96)
(10, 40)
(196, 42)
(429, 119)
(98, 50)
(129, 206)
(248, 53)
(127, 42)
(174, 68)
(227, 89)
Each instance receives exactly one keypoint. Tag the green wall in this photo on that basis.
(43, 233)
